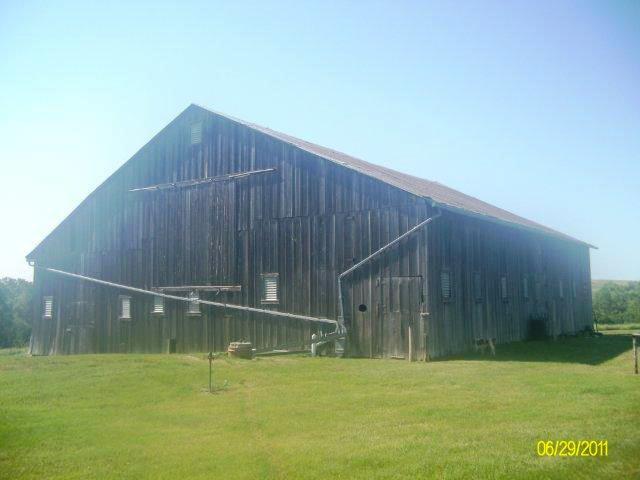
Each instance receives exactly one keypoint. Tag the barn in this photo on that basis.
(219, 230)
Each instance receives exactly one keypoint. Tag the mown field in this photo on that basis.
(150, 416)
(623, 327)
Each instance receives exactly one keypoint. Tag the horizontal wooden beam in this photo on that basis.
(200, 181)
(200, 288)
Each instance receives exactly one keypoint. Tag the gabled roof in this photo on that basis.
(439, 194)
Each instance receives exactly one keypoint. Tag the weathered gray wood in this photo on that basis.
(308, 219)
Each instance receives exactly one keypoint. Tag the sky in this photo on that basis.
(531, 106)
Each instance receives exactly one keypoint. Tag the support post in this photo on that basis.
(210, 371)
(636, 338)
(410, 335)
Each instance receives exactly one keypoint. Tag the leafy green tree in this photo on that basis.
(15, 311)
(6, 322)
(617, 303)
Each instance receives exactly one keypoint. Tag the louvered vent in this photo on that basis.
(504, 294)
(125, 308)
(48, 307)
(196, 133)
(158, 305)
(445, 283)
(193, 307)
(477, 286)
(270, 288)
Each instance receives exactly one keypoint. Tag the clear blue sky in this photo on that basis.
(531, 106)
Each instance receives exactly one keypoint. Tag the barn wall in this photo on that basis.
(463, 245)
(308, 221)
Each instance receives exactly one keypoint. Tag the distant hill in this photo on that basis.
(598, 284)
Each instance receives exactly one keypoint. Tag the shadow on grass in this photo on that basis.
(585, 350)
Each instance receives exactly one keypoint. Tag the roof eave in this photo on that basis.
(488, 218)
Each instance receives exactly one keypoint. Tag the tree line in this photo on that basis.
(16, 297)
(617, 302)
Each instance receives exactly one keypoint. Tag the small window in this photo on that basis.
(193, 307)
(504, 293)
(47, 307)
(158, 306)
(525, 287)
(270, 288)
(445, 285)
(560, 289)
(477, 287)
(125, 307)
(196, 133)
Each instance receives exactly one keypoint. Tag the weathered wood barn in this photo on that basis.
(216, 226)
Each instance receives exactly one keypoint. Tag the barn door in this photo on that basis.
(402, 303)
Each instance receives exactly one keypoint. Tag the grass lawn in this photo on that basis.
(605, 327)
(149, 416)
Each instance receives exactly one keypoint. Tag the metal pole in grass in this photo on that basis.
(635, 337)
(210, 370)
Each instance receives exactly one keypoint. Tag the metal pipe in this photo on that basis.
(340, 324)
(186, 299)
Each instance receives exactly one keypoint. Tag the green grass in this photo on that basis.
(619, 326)
(149, 416)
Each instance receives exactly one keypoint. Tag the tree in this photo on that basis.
(6, 322)
(617, 303)
(15, 312)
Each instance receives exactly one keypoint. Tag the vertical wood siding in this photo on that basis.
(466, 246)
(308, 221)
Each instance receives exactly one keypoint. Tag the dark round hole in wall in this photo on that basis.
(362, 307)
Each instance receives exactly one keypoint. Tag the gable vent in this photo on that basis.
(196, 133)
